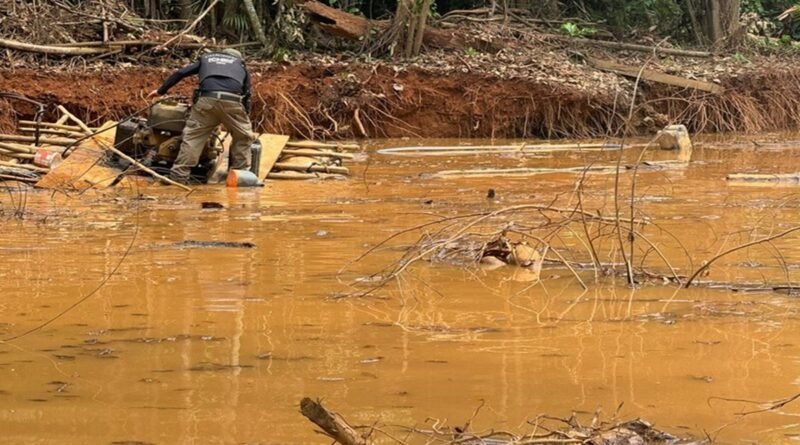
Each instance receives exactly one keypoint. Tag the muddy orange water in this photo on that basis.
(218, 345)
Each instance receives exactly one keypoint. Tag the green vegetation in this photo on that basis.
(704, 23)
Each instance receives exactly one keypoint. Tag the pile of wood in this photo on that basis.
(312, 160)
(39, 146)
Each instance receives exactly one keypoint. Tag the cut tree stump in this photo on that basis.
(331, 423)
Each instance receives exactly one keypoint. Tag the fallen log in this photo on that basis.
(655, 76)
(352, 27)
(331, 423)
(46, 49)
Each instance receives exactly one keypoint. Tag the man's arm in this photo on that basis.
(176, 77)
(246, 92)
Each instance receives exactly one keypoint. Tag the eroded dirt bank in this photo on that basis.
(360, 100)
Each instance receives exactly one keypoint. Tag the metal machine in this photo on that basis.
(156, 139)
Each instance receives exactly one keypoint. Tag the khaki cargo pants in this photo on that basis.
(207, 113)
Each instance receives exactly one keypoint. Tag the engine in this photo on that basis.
(156, 139)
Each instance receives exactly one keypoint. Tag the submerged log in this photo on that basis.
(331, 423)
(313, 168)
(299, 175)
(317, 153)
(763, 177)
(322, 145)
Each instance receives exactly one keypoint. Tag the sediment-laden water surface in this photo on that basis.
(202, 343)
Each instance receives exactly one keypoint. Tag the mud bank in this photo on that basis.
(359, 100)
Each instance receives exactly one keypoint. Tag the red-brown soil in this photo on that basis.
(352, 100)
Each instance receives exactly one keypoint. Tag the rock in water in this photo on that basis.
(676, 137)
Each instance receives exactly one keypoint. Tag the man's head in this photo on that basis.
(232, 52)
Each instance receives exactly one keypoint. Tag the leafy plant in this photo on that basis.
(470, 51)
(574, 30)
(740, 58)
(236, 20)
(755, 6)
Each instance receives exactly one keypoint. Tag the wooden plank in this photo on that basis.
(271, 148)
(83, 169)
(655, 76)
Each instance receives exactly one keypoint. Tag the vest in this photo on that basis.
(222, 65)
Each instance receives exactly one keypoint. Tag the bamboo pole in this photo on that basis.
(53, 131)
(50, 141)
(52, 125)
(138, 164)
(80, 123)
(18, 178)
(14, 154)
(25, 166)
(16, 148)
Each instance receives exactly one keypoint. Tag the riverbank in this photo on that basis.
(479, 97)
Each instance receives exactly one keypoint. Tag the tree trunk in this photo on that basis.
(399, 29)
(255, 22)
(185, 9)
(714, 22)
(718, 26)
(421, 23)
(411, 27)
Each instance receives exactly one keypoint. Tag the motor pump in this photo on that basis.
(156, 140)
